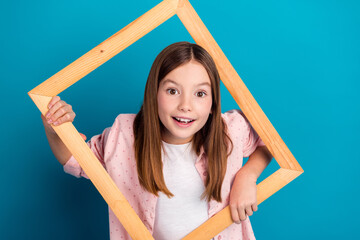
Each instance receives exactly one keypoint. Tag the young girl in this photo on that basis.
(178, 161)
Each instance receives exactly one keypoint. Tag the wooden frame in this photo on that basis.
(42, 94)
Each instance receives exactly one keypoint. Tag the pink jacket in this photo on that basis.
(114, 149)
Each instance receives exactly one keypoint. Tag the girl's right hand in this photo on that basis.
(59, 112)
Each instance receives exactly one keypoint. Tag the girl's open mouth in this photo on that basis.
(183, 122)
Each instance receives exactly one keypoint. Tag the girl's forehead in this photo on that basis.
(202, 83)
(191, 74)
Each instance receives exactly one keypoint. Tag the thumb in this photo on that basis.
(83, 136)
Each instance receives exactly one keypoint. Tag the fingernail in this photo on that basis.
(56, 123)
(50, 121)
(47, 115)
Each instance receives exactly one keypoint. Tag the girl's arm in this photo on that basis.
(256, 163)
(58, 113)
(243, 199)
(59, 149)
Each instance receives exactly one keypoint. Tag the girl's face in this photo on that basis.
(184, 102)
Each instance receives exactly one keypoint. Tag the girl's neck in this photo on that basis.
(181, 144)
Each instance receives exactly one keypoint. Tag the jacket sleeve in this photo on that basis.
(239, 124)
(251, 139)
(97, 145)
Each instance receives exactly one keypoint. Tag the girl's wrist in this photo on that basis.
(247, 174)
(49, 129)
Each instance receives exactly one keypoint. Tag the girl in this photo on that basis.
(177, 159)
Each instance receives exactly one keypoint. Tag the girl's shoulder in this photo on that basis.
(234, 117)
(123, 123)
(125, 118)
(236, 122)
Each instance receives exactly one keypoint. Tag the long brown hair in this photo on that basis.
(148, 127)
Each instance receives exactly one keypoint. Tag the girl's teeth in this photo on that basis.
(183, 120)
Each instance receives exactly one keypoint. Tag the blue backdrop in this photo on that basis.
(299, 59)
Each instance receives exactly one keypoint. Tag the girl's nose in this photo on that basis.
(185, 104)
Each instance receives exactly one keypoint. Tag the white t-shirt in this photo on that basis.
(178, 216)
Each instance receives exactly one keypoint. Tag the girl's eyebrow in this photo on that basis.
(171, 81)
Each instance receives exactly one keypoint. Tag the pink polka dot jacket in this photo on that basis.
(114, 149)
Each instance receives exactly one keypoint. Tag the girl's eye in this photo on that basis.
(171, 91)
(201, 94)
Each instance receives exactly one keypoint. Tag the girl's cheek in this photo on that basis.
(161, 99)
(206, 102)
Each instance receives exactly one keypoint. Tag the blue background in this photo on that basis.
(299, 59)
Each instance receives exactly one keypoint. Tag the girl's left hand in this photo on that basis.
(243, 197)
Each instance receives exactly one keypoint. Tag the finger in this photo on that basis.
(242, 214)
(249, 211)
(254, 207)
(60, 113)
(54, 108)
(55, 112)
(234, 213)
(83, 136)
(53, 101)
(68, 117)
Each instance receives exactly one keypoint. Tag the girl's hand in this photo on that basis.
(59, 113)
(243, 197)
